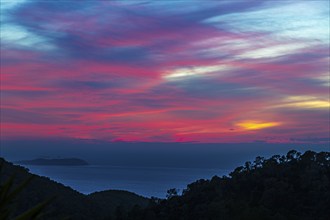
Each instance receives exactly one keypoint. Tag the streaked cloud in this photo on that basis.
(183, 73)
(272, 51)
(307, 102)
(227, 71)
(285, 19)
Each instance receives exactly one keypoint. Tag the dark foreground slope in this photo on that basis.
(287, 187)
(68, 203)
(292, 187)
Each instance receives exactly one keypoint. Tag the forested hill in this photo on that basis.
(291, 187)
(67, 203)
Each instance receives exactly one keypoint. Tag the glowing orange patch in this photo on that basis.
(256, 125)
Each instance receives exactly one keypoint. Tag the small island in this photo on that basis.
(54, 162)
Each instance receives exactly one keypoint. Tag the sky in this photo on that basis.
(166, 71)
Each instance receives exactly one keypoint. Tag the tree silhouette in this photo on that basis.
(171, 193)
(295, 186)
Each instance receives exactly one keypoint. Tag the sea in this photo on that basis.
(144, 181)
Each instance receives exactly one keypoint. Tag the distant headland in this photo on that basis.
(54, 162)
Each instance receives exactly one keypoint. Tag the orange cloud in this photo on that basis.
(257, 125)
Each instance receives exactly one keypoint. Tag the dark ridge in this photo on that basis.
(68, 203)
(291, 187)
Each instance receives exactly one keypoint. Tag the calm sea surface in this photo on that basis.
(140, 180)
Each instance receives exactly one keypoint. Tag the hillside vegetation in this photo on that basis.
(67, 203)
(291, 187)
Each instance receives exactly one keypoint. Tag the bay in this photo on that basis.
(145, 181)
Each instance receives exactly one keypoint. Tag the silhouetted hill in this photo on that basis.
(68, 202)
(291, 187)
(54, 162)
(108, 201)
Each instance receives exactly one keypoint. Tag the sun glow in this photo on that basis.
(257, 125)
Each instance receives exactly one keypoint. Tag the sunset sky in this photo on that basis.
(166, 71)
